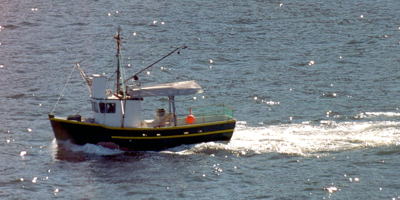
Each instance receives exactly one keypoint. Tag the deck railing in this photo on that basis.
(207, 114)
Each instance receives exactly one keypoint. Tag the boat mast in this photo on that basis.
(118, 56)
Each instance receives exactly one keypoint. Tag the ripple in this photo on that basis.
(16, 96)
(25, 24)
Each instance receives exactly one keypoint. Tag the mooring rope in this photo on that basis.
(63, 89)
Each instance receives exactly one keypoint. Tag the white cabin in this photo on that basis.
(126, 112)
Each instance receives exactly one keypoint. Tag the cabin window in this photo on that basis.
(107, 107)
(110, 107)
(94, 107)
(102, 107)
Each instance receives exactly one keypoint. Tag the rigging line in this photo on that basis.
(63, 89)
(157, 61)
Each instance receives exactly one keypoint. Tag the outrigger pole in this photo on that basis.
(146, 68)
(84, 77)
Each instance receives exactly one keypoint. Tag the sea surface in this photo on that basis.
(315, 85)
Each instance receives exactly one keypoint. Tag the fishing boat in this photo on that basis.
(118, 117)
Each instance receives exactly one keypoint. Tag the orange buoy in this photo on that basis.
(190, 119)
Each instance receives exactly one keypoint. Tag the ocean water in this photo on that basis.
(314, 85)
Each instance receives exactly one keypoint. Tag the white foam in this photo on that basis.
(87, 148)
(305, 138)
(97, 149)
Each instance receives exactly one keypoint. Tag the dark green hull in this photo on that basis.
(140, 139)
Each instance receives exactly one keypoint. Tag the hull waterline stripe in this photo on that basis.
(142, 129)
(172, 136)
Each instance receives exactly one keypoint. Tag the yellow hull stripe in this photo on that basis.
(142, 129)
(171, 136)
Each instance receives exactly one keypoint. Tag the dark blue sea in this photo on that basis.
(314, 84)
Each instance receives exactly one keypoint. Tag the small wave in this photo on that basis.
(96, 150)
(10, 26)
(368, 115)
(88, 149)
(27, 24)
(16, 96)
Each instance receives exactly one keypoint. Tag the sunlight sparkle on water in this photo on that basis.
(331, 189)
(34, 180)
(271, 102)
(56, 191)
(22, 153)
(354, 179)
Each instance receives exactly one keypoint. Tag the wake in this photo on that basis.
(305, 139)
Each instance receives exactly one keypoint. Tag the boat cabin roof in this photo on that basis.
(167, 89)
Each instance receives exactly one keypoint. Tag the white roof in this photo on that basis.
(167, 89)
